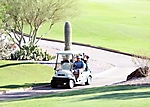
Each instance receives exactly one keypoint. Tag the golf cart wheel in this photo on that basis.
(71, 84)
(53, 84)
(89, 80)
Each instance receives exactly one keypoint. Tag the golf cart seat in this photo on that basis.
(66, 66)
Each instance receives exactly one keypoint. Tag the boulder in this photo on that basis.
(140, 72)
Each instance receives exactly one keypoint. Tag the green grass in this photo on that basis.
(116, 24)
(108, 96)
(15, 74)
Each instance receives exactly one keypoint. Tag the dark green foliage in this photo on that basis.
(31, 52)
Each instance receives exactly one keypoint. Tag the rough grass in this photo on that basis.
(18, 75)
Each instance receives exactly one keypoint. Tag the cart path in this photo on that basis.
(100, 79)
(122, 66)
(119, 60)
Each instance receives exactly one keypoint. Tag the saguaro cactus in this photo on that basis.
(68, 35)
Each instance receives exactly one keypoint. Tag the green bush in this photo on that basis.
(31, 52)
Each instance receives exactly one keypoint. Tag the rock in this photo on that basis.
(140, 72)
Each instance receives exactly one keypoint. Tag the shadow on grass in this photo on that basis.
(99, 90)
(113, 89)
(121, 96)
(14, 64)
(116, 92)
(23, 86)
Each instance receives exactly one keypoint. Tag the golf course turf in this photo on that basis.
(122, 25)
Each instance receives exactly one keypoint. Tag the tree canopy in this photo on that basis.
(15, 15)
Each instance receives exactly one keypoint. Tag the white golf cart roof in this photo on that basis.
(70, 52)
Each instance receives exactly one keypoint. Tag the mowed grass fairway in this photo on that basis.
(122, 25)
(18, 75)
(109, 96)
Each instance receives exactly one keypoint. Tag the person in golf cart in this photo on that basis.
(85, 60)
(65, 60)
(78, 67)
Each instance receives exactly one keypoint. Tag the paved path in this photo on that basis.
(118, 60)
(123, 66)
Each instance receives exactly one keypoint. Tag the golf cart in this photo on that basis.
(64, 70)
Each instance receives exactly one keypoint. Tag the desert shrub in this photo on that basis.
(141, 60)
(31, 52)
(6, 46)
